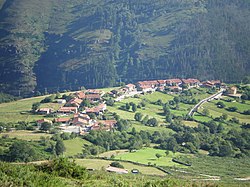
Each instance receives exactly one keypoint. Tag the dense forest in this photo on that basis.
(65, 44)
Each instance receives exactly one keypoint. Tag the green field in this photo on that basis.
(99, 164)
(147, 155)
(226, 168)
(217, 112)
(138, 127)
(19, 110)
(74, 146)
(26, 135)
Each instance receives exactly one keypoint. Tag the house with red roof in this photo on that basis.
(80, 95)
(68, 110)
(130, 87)
(75, 102)
(161, 83)
(64, 121)
(173, 82)
(147, 86)
(191, 83)
(97, 109)
(93, 97)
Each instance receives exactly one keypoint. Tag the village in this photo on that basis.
(75, 117)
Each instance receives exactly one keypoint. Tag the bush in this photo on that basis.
(116, 164)
(64, 168)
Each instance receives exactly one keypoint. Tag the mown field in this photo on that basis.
(217, 112)
(74, 146)
(148, 156)
(26, 135)
(99, 164)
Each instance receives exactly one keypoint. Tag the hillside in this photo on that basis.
(65, 44)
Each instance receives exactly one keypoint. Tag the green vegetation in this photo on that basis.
(98, 164)
(50, 47)
(61, 172)
(74, 146)
(25, 135)
(148, 156)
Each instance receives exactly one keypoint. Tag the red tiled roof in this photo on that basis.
(190, 81)
(61, 120)
(79, 120)
(75, 101)
(80, 95)
(161, 81)
(175, 81)
(130, 85)
(67, 109)
(93, 96)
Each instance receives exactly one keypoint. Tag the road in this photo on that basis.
(196, 107)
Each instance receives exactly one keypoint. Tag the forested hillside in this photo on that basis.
(65, 44)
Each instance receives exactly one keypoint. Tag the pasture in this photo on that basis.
(148, 156)
(98, 164)
(74, 146)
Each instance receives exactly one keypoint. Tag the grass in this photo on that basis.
(138, 127)
(26, 135)
(147, 155)
(99, 164)
(227, 168)
(19, 110)
(217, 112)
(74, 146)
(190, 123)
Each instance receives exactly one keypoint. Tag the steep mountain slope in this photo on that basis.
(62, 44)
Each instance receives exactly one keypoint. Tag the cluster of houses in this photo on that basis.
(81, 122)
(173, 85)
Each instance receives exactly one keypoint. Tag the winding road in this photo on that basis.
(196, 107)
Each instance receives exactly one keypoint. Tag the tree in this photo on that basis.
(138, 116)
(177, 99)
(224, 116)
(152, 122)
(110, 102)
(134, 107)
(60, 148)
(166, 110)
(35, 106)
(167, 152)
(46, 126)
(85, 103)
(232, 109)
(116, 164)
(158, 155)
(22, 152)
(220, 104)
(127, 106)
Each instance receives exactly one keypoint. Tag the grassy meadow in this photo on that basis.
(74, 146)
(148, 155)
(217, 112)
(98, 164)
(26, 135)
